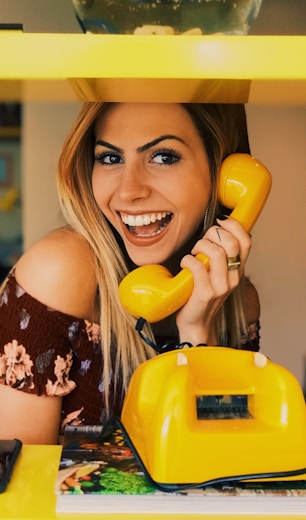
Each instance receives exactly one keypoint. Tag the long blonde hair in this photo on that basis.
(223, 130)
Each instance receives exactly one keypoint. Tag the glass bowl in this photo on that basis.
(167, 16)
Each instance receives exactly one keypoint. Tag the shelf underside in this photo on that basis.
(63, 67)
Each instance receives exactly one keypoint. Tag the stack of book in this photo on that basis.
(100, 472)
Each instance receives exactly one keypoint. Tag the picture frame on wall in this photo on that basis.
(11, 239)
(10, 120)
(9, 164)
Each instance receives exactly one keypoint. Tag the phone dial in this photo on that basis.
(150, 291)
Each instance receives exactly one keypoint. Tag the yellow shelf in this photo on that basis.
(255, 69)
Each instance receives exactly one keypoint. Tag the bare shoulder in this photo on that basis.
(58, 271)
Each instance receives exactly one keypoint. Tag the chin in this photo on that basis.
(146, 259)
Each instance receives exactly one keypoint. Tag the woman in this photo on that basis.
(137, 185)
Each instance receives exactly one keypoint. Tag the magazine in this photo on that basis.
(100, 472)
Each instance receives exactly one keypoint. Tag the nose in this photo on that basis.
(134, 183)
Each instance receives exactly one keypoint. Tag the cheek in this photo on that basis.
(94, 182)
(98, 188)
(194, 213)
(196, 198)
(197, 213)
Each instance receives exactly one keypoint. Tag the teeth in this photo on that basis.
(142, 220)
(146, 220)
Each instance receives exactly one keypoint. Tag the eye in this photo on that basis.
(167, 157)
(108, 158)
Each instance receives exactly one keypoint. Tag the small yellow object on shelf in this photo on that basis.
(8, 200)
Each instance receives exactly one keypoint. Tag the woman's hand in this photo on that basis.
(195, 321)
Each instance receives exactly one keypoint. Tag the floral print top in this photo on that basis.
(46, 352)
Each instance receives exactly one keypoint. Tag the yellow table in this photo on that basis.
(30, 493)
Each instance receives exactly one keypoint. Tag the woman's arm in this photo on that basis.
(32, 419)
(57, 273)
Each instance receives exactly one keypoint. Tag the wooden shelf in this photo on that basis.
(254, 69)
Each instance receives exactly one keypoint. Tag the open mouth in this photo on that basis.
(148, 224)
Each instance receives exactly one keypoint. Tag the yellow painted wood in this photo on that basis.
(156, 68)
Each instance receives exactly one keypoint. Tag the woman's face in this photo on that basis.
(151, 177)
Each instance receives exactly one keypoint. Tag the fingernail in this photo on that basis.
(222, 217)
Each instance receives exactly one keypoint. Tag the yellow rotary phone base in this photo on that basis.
(209, 412)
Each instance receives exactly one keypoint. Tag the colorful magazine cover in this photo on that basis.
(100, 463)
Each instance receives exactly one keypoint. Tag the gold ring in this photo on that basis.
(233, 262)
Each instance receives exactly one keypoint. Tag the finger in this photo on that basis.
(224, 239)
(230, 236)
(230, 244)
(244, 238)
(226, 243)
(218, 268)
(224, 258)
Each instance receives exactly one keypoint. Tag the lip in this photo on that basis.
(142, 240)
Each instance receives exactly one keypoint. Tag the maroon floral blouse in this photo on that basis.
(46, 352)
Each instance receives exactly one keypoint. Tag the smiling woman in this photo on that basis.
(137, 185)
(155, 169)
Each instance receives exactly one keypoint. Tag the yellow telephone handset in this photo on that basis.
(150, 291)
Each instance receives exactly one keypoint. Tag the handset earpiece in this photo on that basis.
(150, 291)
(244, 186)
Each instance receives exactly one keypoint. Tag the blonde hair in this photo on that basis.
(122, 348)
(223, 130)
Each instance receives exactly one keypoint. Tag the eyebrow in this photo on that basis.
(142, 148)
(108, 145)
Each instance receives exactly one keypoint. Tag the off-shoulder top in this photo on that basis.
(47, 352)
